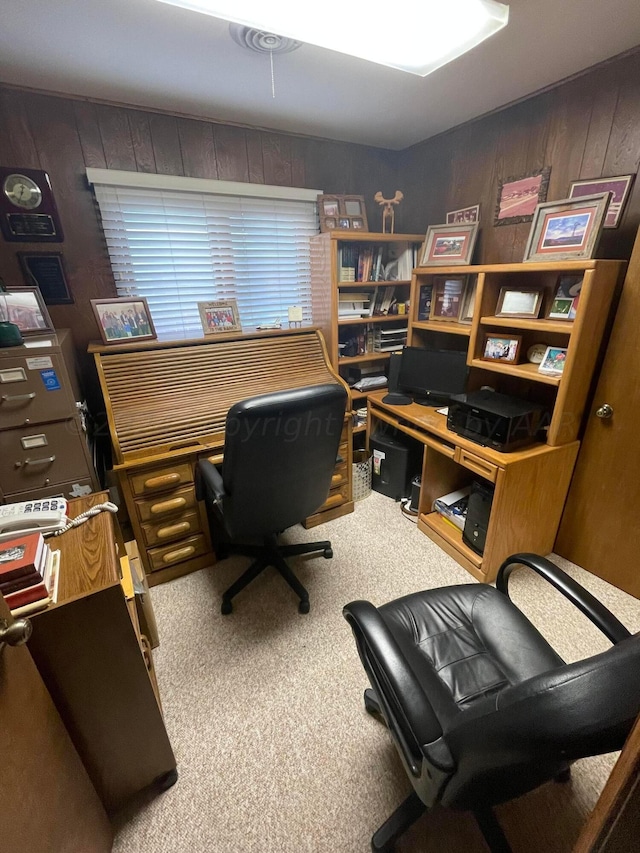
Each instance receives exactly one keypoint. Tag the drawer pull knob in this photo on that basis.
(163, 480)
(180, 554)
(168, 506)
(13, 398)
(174, 529)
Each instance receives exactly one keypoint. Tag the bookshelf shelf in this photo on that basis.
(359, 359)
(437, 326)
(522, 371)
(378, 318)
(551, 327)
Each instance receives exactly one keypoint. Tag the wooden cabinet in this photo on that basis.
(97, 664)
(43, 445)
(346, 266)
(530, 484)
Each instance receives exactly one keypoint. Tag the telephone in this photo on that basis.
(48, 514)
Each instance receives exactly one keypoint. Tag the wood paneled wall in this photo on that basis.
(65, 135)
(585, 128)
(588, 127)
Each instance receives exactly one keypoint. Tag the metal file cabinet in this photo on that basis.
(43, 445)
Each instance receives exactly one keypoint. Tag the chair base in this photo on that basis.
(408, 812)
(271, 554)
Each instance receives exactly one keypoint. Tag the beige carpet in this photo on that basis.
(264, 707)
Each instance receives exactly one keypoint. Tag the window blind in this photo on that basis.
(179, 248)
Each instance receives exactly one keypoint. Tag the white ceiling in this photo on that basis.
(153, 55)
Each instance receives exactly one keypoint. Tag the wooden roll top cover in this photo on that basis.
(166, 396)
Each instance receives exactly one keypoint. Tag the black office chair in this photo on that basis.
(279, 457)
(480, 707)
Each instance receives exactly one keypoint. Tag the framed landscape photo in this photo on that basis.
(505, 348)
(25, 307)
(518, 197)
(218, 317)
(568, 229)
(465, 214)
(553, 361)
(619, 188)
(125, 319)
(446, 245)
(447, 296)
(519, 302)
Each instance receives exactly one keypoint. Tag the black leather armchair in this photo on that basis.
(279, 457)
(480, 707)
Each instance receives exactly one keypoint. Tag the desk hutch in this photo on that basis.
(166, 404)
(531, 484)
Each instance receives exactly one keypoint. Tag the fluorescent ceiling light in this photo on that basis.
(413, 35)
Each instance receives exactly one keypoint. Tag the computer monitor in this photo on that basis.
(432, 376)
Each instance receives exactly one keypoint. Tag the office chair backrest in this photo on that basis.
(279, 456)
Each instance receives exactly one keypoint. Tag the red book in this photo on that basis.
(39, 590)
(20, 556)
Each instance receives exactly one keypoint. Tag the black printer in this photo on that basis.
(496, 420)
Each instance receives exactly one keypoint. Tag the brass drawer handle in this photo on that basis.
(11, 398)
(336, 479)
(334, 500)
(162, 480)
(180, 554)
(168, 506)
(173, 529)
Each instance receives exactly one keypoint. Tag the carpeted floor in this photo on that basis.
(264, 707)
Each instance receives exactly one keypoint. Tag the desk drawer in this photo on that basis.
(177, 552)
(24, 394)
(337, 497)
(476, 464)
(157, 533)
(339, 476)
(164, 506)
(158, 479)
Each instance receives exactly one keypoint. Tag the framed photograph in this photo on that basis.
(219, 317)
(553, 361)
(447, 296)
(469, 300)
(25, 307)
(342, 211)
(519, 302)
(566, 298)
(446, 245)
(618, 187)
(506, 349)
(465, 214)
(424, 301)
(518, 197)
(567, 229)
(125, 319)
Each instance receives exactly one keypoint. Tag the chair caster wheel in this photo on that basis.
(327, 553)
(226, 607)
(303, 607)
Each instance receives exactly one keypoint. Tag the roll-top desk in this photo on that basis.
(166, 405)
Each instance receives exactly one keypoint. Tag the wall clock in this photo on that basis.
(28, 212)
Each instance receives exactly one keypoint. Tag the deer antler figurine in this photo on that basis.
(388, 211)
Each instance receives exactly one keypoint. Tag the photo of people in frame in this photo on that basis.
(124, 319)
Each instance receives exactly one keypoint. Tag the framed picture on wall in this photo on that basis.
(618, 187)
(518, 197)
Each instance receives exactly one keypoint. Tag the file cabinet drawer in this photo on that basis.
(164, 506)
(172, 528)
(34, 396)
(177, 552)
(476, 464)
(158, 479)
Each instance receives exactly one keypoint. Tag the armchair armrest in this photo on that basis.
(602, 618)
(209, 482)
(380, 651)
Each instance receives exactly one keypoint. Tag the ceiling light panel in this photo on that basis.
(418, 36)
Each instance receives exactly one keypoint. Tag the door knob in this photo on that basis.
(15, 634)
(604, 411)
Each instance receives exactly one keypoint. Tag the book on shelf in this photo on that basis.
(46, 597)
(453, 507)
(424, 303)
(20, 557)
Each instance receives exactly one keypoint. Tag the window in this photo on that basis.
(180, 241)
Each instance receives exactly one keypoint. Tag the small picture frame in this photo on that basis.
(522, 302)
(469, 300)
(518, 197)
(447, 297)
(560, 309)
(342, 212)
(567, 229)
(619, 188)
(449, 245)
(424, 301)
(553, 361)
(501, 348)
(125, 319)
(24, 306)
(565, 298)
(219, 317)
(465, 214)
